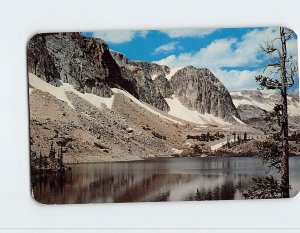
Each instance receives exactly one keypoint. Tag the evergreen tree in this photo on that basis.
(234, 134)
(52, 152)
(245, 136)
(40, 160)
(283, 69)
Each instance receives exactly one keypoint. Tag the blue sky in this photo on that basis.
(232, 54)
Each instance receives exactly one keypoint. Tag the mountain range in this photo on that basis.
(101, 106)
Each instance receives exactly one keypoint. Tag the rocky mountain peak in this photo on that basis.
(89, 65)
(83, 62)
(143, 75)
(164, 86)
(199, 89)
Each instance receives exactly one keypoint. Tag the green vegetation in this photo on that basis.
(51, 162)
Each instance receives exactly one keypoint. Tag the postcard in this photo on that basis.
(164, 115)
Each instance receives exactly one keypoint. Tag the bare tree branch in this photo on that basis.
(274, 64)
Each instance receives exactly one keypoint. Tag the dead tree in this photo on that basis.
(282, 69)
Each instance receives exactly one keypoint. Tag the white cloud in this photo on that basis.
(231, 52)
(175, 33)
(120, 36)
(237, 80)
(167, 47)
(143, 33)
(225, 52)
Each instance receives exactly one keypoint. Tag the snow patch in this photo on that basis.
(93, 99)
(294, 109)
(41, 85)
(60, 92)
(268, 104)
(152, 110)
(172, 72)
(238, 120)
(213, 119)
(177, 109)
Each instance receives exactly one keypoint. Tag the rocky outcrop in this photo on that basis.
(163, 86)
(141, 74)
(88, 65)
(83, 62)
(39, 62)
(152, 69)
(199, 89)
(149, 68)
(253, 105)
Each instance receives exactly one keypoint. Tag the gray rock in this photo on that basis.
(83, 62)
(199, 89)
(163, 86)
(141, 73)
(39, 62)
(91, 67)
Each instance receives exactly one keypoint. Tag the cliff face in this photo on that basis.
(199, 89)
(89, 65)
(83, 62)
(142, 74)
(39, 61)
(163, 86)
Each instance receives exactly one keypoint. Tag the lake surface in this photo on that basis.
(167, 179)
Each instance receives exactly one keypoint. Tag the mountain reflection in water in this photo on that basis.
(169, 179)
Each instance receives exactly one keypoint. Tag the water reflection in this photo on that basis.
(172, 179)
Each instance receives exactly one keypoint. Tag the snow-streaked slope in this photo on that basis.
(91, 98)
(172, 72)
(60, 92)
(242, 99)
(213, 119)
(264, 100)
(293, 107)
(238, 120)
(150, 109)
(177, 109)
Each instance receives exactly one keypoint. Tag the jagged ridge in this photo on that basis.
(89, 65)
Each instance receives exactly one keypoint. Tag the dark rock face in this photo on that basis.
(141, 73)
(39, 61)
(88, 65)
(163, 86)
(83, 62)
(152, 68)
(199, 89)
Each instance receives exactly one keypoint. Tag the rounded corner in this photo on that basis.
(35, 200)
(31, 38)
(295, 194)
(292, 30)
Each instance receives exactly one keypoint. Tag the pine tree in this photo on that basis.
(283, 69)
(234, 134)
(245, 136)
(52, 152)
(40, 160)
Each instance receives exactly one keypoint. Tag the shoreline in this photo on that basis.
(169, 157)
